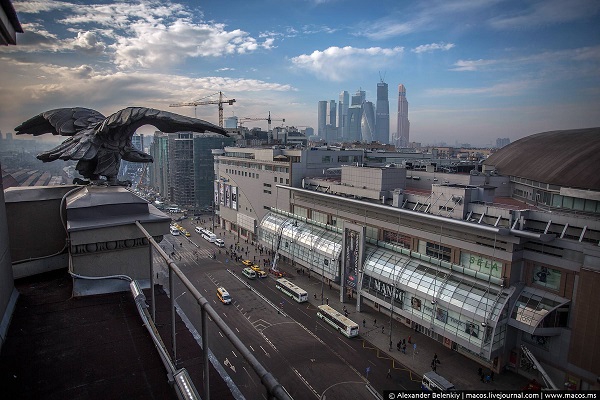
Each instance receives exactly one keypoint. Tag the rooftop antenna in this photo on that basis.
(382, 78)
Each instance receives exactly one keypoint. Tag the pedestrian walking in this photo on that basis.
(364, 323)
(382, 328)
(409, 340)
(327, 300)
(399, 345)
(389, 374)
(404, 348)
(375, 322)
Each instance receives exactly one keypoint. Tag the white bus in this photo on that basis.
(432, 382)
(174, 231)
(208, 235)
(291, 290)
(343, 324)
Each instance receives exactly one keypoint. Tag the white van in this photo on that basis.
(249, 273)
(223, 295)
(198, 229)
(219, 243)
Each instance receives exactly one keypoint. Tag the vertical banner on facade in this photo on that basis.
(221, 193)
(216, 194)
(234, 197)
(353, 243)
(228, 196)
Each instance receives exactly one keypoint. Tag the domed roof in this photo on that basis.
(569, 158)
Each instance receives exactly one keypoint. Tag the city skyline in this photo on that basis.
(466, 65)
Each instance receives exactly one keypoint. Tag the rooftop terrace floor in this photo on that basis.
(94, 347)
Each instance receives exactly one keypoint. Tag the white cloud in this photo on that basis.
(88, 42)
(471, 65)
(145, 34)
(425, 15)
(33, 86)
(500, 89)
(427, 48)
(335, 63)
(546, 12)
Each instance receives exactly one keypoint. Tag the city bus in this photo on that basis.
(174, 231)
(291, 290)
(208, 235)
(433, 382)
(249, 273)
(343, 324)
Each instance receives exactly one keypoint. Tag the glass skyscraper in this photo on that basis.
(343, 105)
(382, 115)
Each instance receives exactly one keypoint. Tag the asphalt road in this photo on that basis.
(305, 355)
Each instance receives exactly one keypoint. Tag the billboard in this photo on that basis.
(352, 261)
(228, 196)
(216, 185)
(234, 197)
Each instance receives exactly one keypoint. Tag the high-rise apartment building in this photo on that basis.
(343, 105)
(402, 139)
(382, 114)
(158, 171)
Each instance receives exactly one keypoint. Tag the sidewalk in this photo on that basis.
(457, 368)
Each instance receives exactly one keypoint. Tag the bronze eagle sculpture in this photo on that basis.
(99, 143)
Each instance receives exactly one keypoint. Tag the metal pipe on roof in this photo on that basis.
(437, 218)
(542, 237)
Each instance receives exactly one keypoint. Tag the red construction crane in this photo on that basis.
(202, 102)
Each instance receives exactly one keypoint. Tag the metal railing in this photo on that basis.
(274, 389)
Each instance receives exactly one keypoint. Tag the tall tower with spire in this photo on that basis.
(402, 138)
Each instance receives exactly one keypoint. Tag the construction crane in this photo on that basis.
(268, 119)
(202, 102)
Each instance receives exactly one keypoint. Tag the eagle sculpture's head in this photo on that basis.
(134, 155)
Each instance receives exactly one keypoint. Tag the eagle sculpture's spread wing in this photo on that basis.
(99, 143)
(61, 121)
(132, 118)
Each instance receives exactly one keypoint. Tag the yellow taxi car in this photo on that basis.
(255, 267)
(261, 274)
(247, 263)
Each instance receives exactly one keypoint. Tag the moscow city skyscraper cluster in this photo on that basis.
(354, 118)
